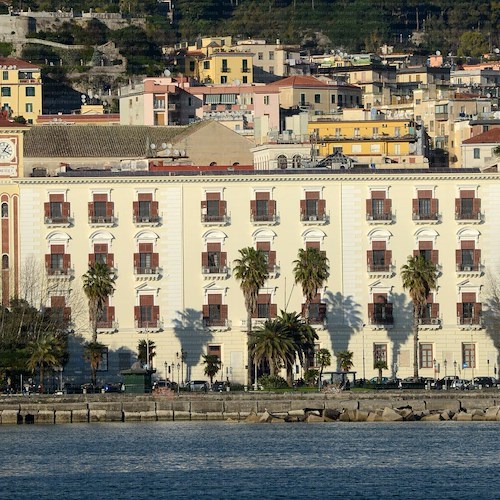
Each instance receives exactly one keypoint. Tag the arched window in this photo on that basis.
(282, 162)
(5, 261)
(297, 161)
(5, 210)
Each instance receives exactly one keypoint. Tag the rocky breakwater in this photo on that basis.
(252, 407)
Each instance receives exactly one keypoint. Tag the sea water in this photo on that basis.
(219, 460)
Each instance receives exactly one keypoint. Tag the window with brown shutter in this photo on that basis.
(467, 207)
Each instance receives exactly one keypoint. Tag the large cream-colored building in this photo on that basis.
(172, 241)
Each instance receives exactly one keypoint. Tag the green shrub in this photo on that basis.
(269, 382)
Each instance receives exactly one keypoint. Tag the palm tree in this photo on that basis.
(345, 360)
(324, 358)
(98, 285)
(419, 277)
(212, 365)
(303, 336)
(144, 349)
(271, 343)
(380, 365)
(47, 350)
(311, 270)
(92, 353)
(252, 271)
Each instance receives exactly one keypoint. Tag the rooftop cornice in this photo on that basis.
(235, 178)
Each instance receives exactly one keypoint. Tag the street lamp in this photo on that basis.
(435, 370)
(178, 377)
(183, 360)
(445, 362)
(488, 366)
(455, 367)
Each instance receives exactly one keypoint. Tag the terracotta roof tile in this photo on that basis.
(12, 61)
(114, 141)
(491, 136)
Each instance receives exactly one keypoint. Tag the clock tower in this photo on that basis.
(11, 167)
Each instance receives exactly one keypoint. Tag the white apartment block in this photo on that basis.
(172, 240)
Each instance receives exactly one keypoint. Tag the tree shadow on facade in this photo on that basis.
(77, 370)
(400, 332)
(346, 318)
(491, 315)
(193, 338)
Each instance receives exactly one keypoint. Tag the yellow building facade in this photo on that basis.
(366, 140)
(20, 88)
(172, 241)
(212, 60)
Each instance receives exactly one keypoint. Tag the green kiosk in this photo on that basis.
(137, 380)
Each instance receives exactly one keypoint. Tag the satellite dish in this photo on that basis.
(176, 152)
(163, 145)
(438, 52)
(152, 146)
(167, 152)
(183, 152)
(169, 145)
(167, 72)
(496, 50)
(237, 82)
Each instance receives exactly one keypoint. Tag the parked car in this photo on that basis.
(461, 384)
(198, 386)
(445, 382)
(219, 386)
(375, 380)
(112, 387)
(167, 384)
(484, 382)
(90, 388)
(69, 388)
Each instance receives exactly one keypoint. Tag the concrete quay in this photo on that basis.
(252, 407)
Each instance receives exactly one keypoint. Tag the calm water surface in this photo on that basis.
(223, 460)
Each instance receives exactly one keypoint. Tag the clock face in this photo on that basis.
(7, 150)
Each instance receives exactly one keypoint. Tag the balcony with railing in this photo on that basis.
(426, 217)
(263, 218)
(60, 273)
(159, 104)
(380, 317)
(107, 326)
(380, 270)
(380, 217)
(469, 217)
(152, 325)
(215, 272)
(215, 220)
(216, 323)
(58, 220)
(474, 322)
(147, 273)
(429, 323)
(102, 220)
(314, 218)
(469, 269)
(146, 220)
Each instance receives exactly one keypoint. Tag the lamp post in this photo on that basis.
(455, 367)
(435, 370)
(183, 360)
(178, 377)
(166, 370)
(488, 366)
(445, 362)
(364, 371)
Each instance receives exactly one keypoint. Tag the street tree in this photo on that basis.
(145, 347)
(271, 343)
(324, 359)
(419, 277)
(311, 271)
(212, 365)
(98, 285)
(345, 360)
(93, 353)
(251, 271)
(380, 365)
(45, 351)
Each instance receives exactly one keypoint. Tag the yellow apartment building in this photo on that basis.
(20, 88)
(212, 60)
(368, 141)
(172, 241)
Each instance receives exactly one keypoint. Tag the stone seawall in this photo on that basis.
(254, 407)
